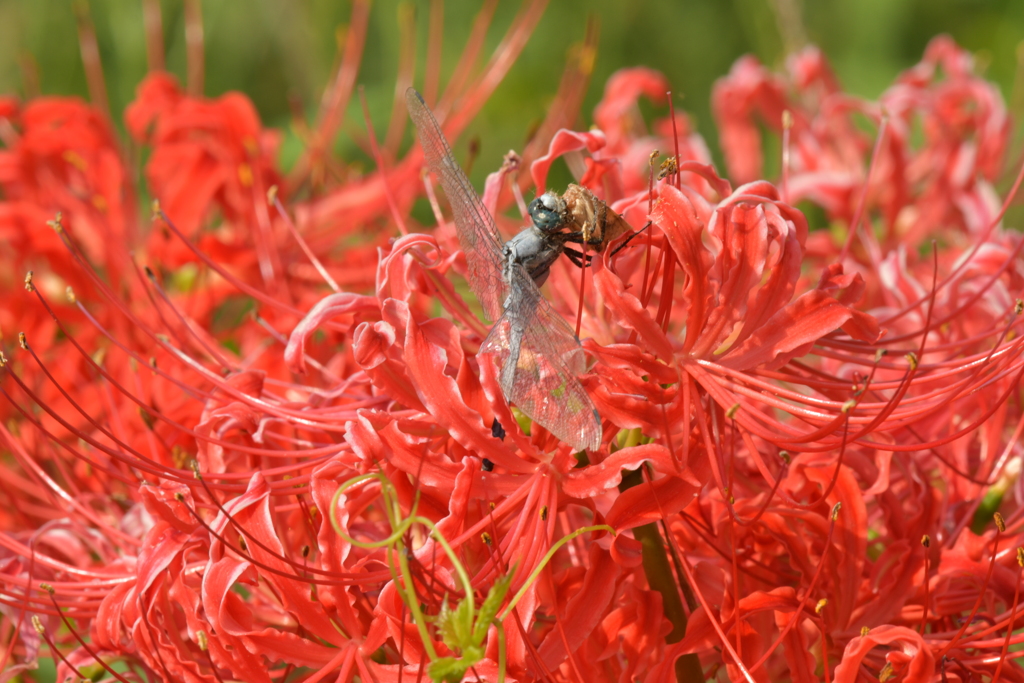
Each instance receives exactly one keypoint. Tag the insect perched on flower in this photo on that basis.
(537, 351)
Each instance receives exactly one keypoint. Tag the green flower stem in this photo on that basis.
(551, 552)
(501, 651)
(660, 577)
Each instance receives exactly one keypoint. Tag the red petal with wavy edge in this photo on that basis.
(628, 311)
(790, 332)
(591, 481)
(650, 502)
(627, 551)
(683, 216)
(913, 661)
(584, 610)
(426, 364)
(158, 93)
(615, 111)
(330, 306)
(748, 88)
(563, 142)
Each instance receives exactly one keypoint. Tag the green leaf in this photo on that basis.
(492, 603)
(447, 669)
(445, 625)
(462, 622)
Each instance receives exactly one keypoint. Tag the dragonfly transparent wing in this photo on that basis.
(539, 358)
(478, 235)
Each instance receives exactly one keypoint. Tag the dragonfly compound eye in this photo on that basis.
(547, 212)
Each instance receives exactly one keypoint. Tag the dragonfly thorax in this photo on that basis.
(534, 251)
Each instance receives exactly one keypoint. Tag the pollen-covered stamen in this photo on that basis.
(343, 578)
(74, 632)
(37, 625)
(190, 327)
(138, 462)
(275, 201)
(340, 578)
(957, 640)
(854, 225)
(159, 415)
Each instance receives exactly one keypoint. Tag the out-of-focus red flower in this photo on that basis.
(62, 157)
(206, 155)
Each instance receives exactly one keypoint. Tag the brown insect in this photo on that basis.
(577, 217)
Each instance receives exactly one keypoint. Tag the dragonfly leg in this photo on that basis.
(629, 239)
(577, 257)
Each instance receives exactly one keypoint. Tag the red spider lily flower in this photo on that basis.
(802, 441)
(946, 181)
(206, 155)
(61, 157)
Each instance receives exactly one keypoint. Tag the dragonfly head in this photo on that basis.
(547, 212)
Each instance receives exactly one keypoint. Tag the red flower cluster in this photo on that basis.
(805, 433)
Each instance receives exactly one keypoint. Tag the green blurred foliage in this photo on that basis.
(278, 51)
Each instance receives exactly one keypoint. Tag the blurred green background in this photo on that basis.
(281, 50)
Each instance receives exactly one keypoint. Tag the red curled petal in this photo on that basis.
(325, 309)
(563, 142)
(790, 332)
(913, 662)
(627, 551)
(650, 502)
(629, 312)
(614, 114)
(590, 481)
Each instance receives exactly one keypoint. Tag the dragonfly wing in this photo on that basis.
(478, 235)
(539, 357)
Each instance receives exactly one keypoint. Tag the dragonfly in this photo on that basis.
(536, 351)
